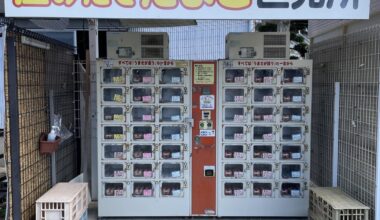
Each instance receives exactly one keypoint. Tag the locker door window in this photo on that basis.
(113, 114)
(235, 96)
(262, 170)
(171, 170)
(144, 152)
(142, 76)
(113, 76)
(264, 76)
(114, 133)
(142, 95)
(143, 114)
(236, 76)
(293, 95)
(114, 190)
(294, 134)
(234, 114)
(262, 189)
(294, 76)
(265, 114)
(292, 190)
(292, 114)
(171, 114)
(234, 152)
(233, 170)
(114, 170)
(171, 95)
(264, 95)
(291, 152)
(173, 152)
(143, 189)
(114, 151)
(172, 133)
(143, 170)
(234, 133)
(171, 76)
(263, 133)
(263, 152)
(115, 95)
(143, 133)
(291, 171)
(234, 189)
(171, 189)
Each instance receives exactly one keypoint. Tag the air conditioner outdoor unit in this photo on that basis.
(134, 45)
(258, 45)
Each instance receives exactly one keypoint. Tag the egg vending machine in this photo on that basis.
(263, 137)
(144, 131)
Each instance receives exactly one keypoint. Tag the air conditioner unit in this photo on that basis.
(134, 45)
(258, 45)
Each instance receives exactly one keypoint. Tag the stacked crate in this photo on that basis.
(333, 204)
(264, 137)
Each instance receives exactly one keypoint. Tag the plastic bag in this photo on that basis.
(59, 128)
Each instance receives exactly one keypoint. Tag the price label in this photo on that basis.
(176, 98)
(118, 136)
(297, 99)
(118, 98)
(296, 155)
(148, 137)
(238, 192)
(118, 173)
(295, 193)
(267, 192)
(175, 118)
(118, 79)
(176, 155)
(238, 118)
(268, 117)
(238, 174)
(176, 80)
(118, 155)
(267, 174)
(239, 79)
(176, 193)
(147, 117)
(238, 155)
(239, 99)
(119, 192)
(296, 174)
(268, 99)
(268, 80)
(148, 174)
(267, 155)
(147, 155)
(147, 192)
(147, 98)
(296, 118)
(238, 136)
(268, 137)
(118, 117)
(176, 174)
(296, 137)
(298, 79)
(147, 79)
(176, 137)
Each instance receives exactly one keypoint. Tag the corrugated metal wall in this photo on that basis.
(354, 61)
(205, 41)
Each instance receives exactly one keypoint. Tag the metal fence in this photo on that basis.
(31, 71)
(354, 61)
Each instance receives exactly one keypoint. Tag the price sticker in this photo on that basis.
(267, 174)
(297, 99)
(176, 193)
(148, 137)
(148, 174)
(147, 79)
(147, 155)
(147, 117)
(296, 118)
(268, 99)
(118, 173)
(118, 98)
(118, 79)
(298, 79)
(176, 155)
(118, 117)
(147, 192)
(238, 192)
(175, 118)
(147, 98)
(295, 193)
(176, 137)
(296, 137)
(268, 118)
(239, 79)
(296, 156)
(239, 99)
(118, 136)
(176, 98)
(238, 136)
(268, 137)
(268, 80)
(238, 155)
(267, 156)
(176, 80)
(238, 118)
(118, 155)
(176, 174)
(296, 174)
(118, 192)
(238, 174)
(266, 192)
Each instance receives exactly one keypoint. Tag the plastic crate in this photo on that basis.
(65, 201)
(333, 204)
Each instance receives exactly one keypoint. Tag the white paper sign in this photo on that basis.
(176, 174)
(118, 192)
(239, 99)
(176, 80)
(296, 137)
(175, 118)
(207, 102)
(298, 79)
(296, 155)
(296, 174)
(238, 118)
(176, 155)
(176, 98)
(176, 137)
(176, 193)
(297, 99)
(295, 193)
(296, 118)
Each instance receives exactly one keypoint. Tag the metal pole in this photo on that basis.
(14, 128)
(377, 189)
(53, 157)
(335, 159)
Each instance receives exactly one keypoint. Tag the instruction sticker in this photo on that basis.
(207, 102)
(204, 74)
(207, 133)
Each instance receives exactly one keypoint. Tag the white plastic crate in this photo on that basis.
(65, 201)
(333, 204)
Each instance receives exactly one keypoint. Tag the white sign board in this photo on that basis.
(190, 9)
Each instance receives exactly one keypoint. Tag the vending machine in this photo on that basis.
(263, 137)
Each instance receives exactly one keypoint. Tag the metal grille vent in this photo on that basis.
(276, 40)
(152, 52)
(152, 40)
(274, 52)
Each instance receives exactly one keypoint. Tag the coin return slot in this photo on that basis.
(234, 133)
(293, 76)
(171, 76)
(263, 114)
(291, 152)
(262, 189)
(172, 133)
(169, 114)
(171, 170)
(234, 76)
(171, 189)
(171, 152)
(113, 133)
(291, 171)
(142, 76)
(292, 114)
(142, 189)
(114, 170)
(234, 114)
(234, 95)
(142, 152)
(262, 152)
(292, 133)
(114, 76)
(265, 76)
(143, 133)
(234, 189)
(234, 151)
(263, 133)
(234, 170)
(171, 95)
(291, 190)
(143, 170)
(114, 189)
(292, 95)
(263, 171)
(143, 114)
(113, 114)
(113, 95)
(143, 95)
(114, 152)
(264, 95)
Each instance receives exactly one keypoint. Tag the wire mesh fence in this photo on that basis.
(354, 61)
